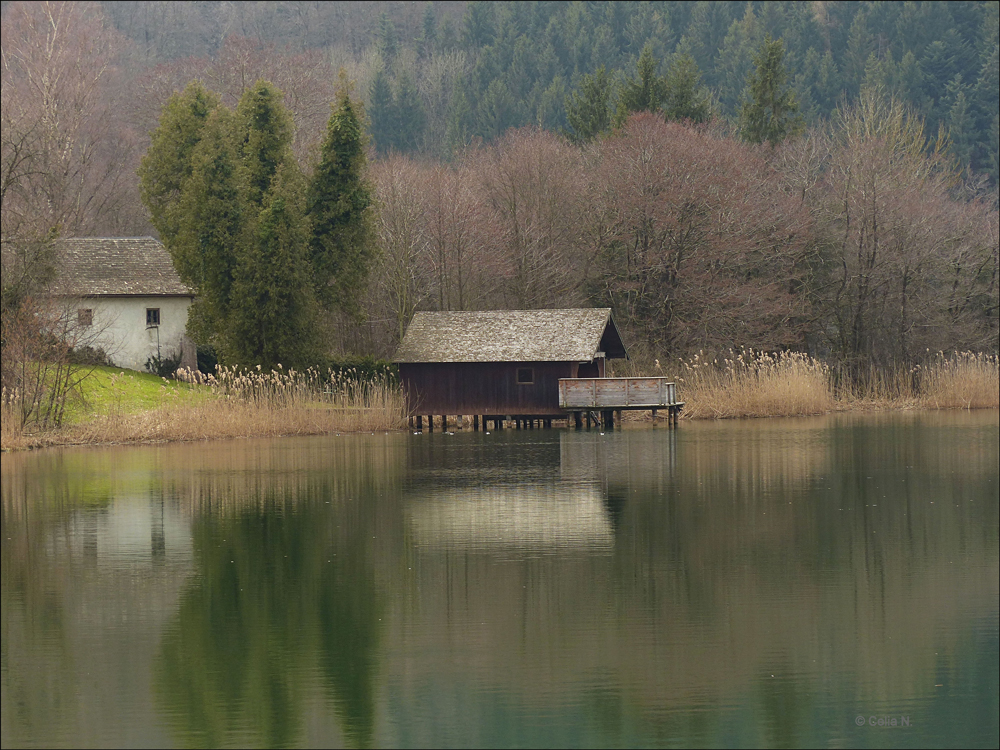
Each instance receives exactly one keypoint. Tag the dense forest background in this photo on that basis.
(869, 235)
(438, 74)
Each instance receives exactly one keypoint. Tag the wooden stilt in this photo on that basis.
(420, 422)
(475, 423)
(578, 420)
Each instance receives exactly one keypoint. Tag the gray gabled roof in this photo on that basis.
(510, 336)
(114, 266)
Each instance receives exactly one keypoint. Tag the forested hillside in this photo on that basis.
(781, 175)
(437, 74)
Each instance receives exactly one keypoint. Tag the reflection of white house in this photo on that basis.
(126, 291)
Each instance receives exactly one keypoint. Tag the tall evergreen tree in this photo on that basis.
(734, 61)
(237, 230)
(588, 110)
(388, 41)
(860, 46)
(686, 98)
(167, 165)
(341, 244)
(272, 311)
(264, 137)
(769, 111)
(959, 122)
(213, 231)
(459, 116)
(428, 32)
(646, 91)
(411, 120)
(382, 112)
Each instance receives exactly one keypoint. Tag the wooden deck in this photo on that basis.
(604, 396)
(617, 393)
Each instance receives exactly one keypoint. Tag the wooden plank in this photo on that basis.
(644, 391)
(611, 392)
(629, 393)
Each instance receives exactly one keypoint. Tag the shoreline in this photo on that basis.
(71, 438)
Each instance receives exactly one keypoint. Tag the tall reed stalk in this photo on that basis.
(965, 380)
(754, 384)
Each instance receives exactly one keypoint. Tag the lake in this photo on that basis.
(830, 581)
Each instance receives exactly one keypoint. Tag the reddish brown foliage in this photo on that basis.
(698, 246)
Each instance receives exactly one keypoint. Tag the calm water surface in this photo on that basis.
(770, 582)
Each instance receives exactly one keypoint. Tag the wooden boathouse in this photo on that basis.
(521, 365)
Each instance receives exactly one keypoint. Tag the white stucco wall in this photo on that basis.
(119, 328)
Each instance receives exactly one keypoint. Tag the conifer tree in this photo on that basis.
(167, 165)
(388, 41)
(588, 111)
(213, 227)
(645, 92)
(769, 111)
(264, 136)
(383, 113)
(428, 32)
(341, 244)
(272, 311)
(232, 205)
(410, 117)
(686, 98)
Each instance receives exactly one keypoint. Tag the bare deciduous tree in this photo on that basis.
(909, 267)
(59, 81)
(697, 244)
(534, 185)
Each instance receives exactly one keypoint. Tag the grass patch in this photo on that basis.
(110, 390)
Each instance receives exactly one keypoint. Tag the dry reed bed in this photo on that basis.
(754, 384)
(758, 384)
(966, 380)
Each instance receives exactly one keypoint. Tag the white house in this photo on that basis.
(123, 295)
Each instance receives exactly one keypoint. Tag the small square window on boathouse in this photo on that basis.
(84, 317)
(152, 316)
(525, 375)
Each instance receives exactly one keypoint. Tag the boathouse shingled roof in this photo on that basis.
(510, 336)
(115, 266)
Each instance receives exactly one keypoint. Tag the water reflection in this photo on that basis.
(285, 599)
(742, 583)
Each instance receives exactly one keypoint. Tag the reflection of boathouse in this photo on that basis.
(505, 363)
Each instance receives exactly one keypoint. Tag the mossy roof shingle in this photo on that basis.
(114, 266)
(509, 336)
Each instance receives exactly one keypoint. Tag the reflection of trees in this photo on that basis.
(276, 594)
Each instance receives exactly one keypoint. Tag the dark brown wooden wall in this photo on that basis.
(483, 387)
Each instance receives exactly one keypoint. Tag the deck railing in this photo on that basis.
(617, 393)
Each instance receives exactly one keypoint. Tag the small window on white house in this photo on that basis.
(525, 375)
(152, 316)
(84, 317)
